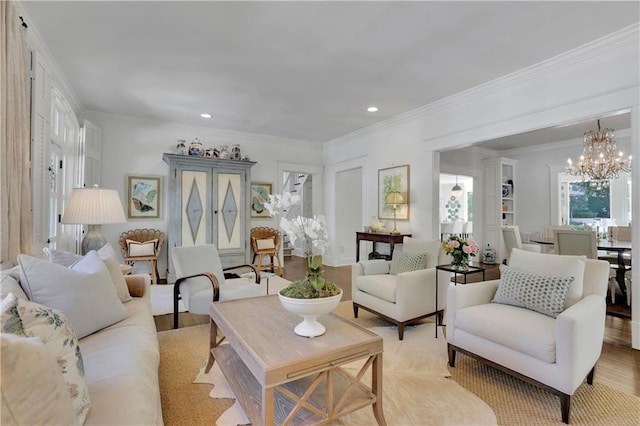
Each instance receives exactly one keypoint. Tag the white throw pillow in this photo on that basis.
(541, 293)
(138, 249)
(33, 389)
(55, 331)
(84, 292)
(406, 262)
(108, 256)
(9, 283)
(266, 244)
(553, 265)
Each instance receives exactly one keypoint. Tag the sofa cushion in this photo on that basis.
(55, 331)
(430, 247)
(121, 363)
(380, 286)
(9, 283)
(376, 266)
(108, 256)
(84, 292)
(555, 266)
(33, 389)
(540, 293)
(407, 262)
(520, 329)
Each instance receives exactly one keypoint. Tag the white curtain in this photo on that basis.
(15, 184)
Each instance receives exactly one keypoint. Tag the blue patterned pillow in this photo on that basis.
(539, 293)
(406, 262)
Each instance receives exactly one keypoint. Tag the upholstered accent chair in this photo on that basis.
(200, 280)
(142, 245)
(401, 297)
(512, 239)
(555, 353)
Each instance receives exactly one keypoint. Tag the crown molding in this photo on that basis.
(610, 42)
(231, 135)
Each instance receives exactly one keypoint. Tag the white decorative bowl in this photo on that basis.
(310, 309)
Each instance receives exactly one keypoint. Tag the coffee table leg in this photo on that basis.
(268, 403)
(212, 344)
(376, 388)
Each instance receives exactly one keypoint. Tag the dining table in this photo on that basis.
(619, 247)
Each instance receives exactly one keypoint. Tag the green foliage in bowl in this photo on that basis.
(304, 289)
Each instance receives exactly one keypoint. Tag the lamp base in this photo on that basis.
(395, 232)
(93, 240)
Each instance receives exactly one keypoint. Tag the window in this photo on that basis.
(587, 201)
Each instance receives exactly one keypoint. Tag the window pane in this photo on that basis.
(588, 201)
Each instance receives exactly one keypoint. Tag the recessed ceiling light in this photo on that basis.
(372, 109)
(205, 115)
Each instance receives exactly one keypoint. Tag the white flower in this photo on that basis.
(312, 231)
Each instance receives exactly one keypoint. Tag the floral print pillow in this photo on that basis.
(55, 331)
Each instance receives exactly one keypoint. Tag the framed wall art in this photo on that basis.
(393, 179)
(259, 195)
(144, 197)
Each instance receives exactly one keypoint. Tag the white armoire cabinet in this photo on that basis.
(499, 202)
(209, 204)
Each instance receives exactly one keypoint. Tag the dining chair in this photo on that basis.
(512, 239)
(457, 228)
(467, 230)
(446, 228)
(577, 243)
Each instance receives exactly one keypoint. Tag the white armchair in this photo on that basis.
(553, 353)
(406, 296)
(200, 280)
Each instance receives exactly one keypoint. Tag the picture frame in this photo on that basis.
(260, 192)
(393, 179)
(144, 197)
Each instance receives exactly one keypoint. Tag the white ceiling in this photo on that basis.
(303, 70)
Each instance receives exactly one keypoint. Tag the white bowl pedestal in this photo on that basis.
(310, 309)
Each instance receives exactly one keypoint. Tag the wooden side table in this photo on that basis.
(456, 271)
(375, 237)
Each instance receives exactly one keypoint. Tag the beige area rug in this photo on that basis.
(183, 353)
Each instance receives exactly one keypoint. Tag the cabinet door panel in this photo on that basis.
(192, 208)
(230, 205)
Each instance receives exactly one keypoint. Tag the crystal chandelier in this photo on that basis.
(599, 161)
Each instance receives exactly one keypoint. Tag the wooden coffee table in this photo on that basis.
(281, 378)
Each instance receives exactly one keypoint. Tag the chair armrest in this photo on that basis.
(139, 285)
(212, 278)
(579, 337)
(253, 268)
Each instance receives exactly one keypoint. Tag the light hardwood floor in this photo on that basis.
(618, 367)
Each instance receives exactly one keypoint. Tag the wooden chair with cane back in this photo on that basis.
(265, 241)
(142, 245)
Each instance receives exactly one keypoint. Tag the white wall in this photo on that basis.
(135, 146)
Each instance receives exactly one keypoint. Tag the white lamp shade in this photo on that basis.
(394, 197)
(93, 206)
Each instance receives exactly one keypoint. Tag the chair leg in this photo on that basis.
(176, 296)
(565, 407)
(612, 288)
(451, 353)
(280, 269)
(154, 277)
(401, 331)
(355, 310)
(591, 374)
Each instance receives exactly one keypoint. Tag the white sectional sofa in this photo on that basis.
(120, 361)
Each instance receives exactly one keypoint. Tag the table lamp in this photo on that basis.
(394, 198)
(93, 206)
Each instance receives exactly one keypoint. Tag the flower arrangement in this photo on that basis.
(312, 231)
(460, 250)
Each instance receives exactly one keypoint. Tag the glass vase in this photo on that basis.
(460, 261)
